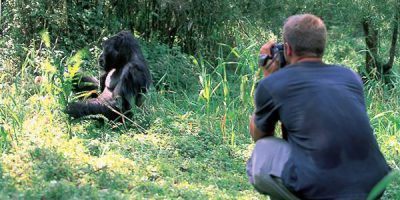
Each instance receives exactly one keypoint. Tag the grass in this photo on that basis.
(190, 141)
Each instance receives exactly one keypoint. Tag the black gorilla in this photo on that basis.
(125, 79)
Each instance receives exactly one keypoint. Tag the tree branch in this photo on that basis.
(392, 51)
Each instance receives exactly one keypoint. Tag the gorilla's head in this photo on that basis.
(119, 50)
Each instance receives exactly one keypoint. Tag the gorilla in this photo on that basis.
(124, 81)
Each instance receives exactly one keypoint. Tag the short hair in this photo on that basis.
(306, 34)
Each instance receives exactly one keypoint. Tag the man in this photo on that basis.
(329, 150)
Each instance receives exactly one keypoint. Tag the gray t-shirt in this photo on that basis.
(321, 107)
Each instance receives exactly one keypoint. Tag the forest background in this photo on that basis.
(191, 139)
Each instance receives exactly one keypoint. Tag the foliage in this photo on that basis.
(190, 141)
(182, 23)
(164, 62)
(382, 185)
(81, 22)
(183, 147)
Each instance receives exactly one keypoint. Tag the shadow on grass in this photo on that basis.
(56, 177)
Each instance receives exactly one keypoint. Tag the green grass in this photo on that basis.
(190, 141)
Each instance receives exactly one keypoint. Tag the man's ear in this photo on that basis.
(288, 50)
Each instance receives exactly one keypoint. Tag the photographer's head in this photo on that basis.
(304, 37)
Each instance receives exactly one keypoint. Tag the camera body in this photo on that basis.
(277, 52)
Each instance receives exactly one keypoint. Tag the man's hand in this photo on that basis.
(266, 50)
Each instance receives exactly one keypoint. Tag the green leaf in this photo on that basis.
(45, 38)
(381, 186)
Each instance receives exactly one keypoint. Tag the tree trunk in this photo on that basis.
(371, 40)
(374, 66)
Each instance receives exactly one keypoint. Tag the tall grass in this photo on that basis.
(190, 140)
(44, 155)
(226, 90)
(232, 82)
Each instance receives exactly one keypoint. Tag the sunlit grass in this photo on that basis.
(189, 141)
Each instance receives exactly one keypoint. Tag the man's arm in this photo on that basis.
(264, 101)
(257, 133)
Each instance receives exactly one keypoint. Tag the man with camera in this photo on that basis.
(328, 150)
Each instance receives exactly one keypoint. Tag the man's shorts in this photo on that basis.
(265, 167)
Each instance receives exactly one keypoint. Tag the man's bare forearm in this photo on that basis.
(256, 133)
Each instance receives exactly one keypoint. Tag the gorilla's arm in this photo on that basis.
(134, 81)
(103, 78)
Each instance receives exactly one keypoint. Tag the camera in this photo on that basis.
(277, 50)
(276, 53)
